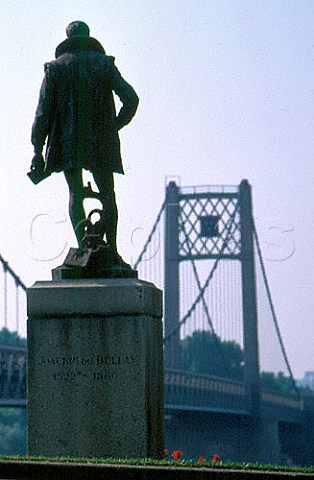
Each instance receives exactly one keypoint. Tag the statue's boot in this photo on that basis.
(116, 261)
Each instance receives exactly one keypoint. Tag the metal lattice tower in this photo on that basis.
(213, 223)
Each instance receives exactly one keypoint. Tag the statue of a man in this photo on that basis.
(76, 116)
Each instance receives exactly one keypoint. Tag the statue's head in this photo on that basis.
(77, 29)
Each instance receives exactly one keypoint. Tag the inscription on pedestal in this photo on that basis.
(105, 367)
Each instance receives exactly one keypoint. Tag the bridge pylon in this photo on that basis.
(249, 301)
(211, 223)
(172, 287)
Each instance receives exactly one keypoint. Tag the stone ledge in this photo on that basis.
(103, 297)
(35, 470)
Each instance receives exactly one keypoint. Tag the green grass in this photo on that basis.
(164, 463)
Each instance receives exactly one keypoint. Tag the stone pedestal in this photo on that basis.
(95, 369)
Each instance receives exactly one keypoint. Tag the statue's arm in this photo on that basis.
(40, 128)
(126, 93)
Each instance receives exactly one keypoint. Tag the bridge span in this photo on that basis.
(183, 391)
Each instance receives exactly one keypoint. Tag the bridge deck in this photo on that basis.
(183, 391)
(187, 391)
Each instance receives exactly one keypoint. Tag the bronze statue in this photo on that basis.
(76, 116)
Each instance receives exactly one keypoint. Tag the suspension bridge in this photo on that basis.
(204, 252)
(208, 266)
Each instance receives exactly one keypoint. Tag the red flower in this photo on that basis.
(201, 461)
(26, 456)
(177, 455)
(216, 458)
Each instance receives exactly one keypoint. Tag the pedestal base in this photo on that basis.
(95, 369)
(88, 263)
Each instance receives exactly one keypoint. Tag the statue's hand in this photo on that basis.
(38, 162)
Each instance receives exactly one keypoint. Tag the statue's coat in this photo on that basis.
(76, 110)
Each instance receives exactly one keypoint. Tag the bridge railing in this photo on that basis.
(185, 390)
(190, 391)
(13, 367)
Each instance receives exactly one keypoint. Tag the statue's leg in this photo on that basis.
(105, 184)
(76, 209)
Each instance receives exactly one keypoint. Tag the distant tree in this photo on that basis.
(13, 431)
(277, 383)
(13, 423)
(204, 352)
(282, 384)
(11, 338)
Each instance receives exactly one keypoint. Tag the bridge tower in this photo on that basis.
(213, 223)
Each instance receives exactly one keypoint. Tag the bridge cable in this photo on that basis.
(140, 258)
(18, 284)
(17, 310)
(283, 350)
(5, 298)
(210, 276)
(7, 268)
(200, 296)
(205, 306)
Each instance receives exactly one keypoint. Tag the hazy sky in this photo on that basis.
(226, 93)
